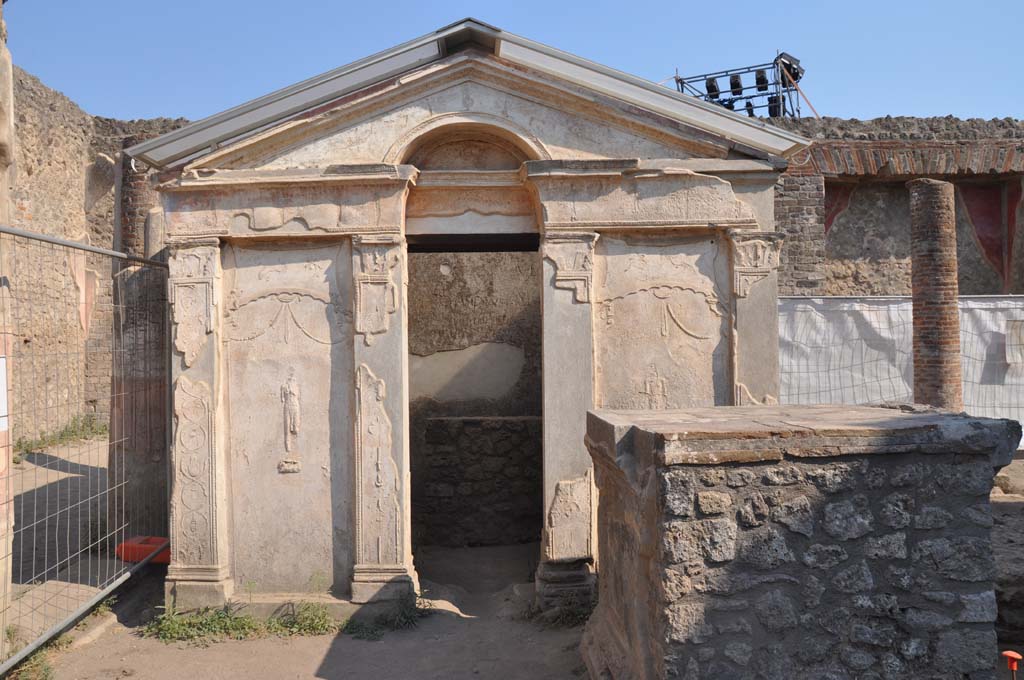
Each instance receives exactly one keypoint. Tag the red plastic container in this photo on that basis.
(138, 548)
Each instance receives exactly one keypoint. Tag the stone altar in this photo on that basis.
(795, 542)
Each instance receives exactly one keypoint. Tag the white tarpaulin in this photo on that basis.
(859, 351)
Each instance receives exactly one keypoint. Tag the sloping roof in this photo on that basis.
(259, 114)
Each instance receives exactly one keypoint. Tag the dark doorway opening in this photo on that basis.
(475, 407)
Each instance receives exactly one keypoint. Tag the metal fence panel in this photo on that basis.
(83, 428)
(860, 350)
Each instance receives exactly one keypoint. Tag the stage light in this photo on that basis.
(761, 77)
(736, 84)
(711, 85)
(750, 108)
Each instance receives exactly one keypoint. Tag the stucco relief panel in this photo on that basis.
(377, 297)
(288, 341)
(193, 510)
(192, 297)
(293, 211)
(661, 322)
(563, 134)
(644, 197)
(378, 486)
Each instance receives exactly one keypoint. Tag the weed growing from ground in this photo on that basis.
(406, 613)
(203, 626)
(80, 427)
(363, 630)
(37, 666)
(574, 609)
(305, 618)
(213, 625)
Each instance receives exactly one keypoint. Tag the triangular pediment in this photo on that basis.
(574, 108)
(551, 119)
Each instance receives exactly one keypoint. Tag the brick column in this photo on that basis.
(937, 376)
(137, 197)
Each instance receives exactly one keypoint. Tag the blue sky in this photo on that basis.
(193, 58)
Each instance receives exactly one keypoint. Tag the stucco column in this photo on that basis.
(568, 378)
(384, 567)
(199, 574)
(938, 380)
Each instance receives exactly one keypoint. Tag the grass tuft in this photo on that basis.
(405, 613)
(203, 626)
(80, 427)
(305, 618)
(363, 630)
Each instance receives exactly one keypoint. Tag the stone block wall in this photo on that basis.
(795, 543)
(477, 481)
(64, 186)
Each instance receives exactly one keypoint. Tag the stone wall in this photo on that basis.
(64, 186)
(475, 436)
(811, 542)
(856, 240)
(480, 481)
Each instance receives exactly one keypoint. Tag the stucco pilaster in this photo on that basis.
(199, 573)
(755, 266)
(383, 567)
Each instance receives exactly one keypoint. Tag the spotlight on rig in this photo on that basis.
(736, 84)
(750, 108)
(711, 85)
(761, 78)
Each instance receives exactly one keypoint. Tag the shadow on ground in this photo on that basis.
(477, 630)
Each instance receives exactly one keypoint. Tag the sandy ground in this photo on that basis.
(476, 632)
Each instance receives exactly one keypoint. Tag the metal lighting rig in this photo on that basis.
(763, 89)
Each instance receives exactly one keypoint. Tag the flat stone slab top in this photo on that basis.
(711, 436)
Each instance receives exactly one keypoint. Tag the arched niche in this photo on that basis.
(469, 182)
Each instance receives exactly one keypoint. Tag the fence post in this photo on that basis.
(938, 378)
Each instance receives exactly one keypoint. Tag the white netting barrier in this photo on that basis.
(859, 351)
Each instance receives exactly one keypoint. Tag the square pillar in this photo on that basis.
(568, 377)
(199, 574)
(384, 567)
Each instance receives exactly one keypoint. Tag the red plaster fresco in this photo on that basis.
(1014, 193)
(837, 200)
(984, 203)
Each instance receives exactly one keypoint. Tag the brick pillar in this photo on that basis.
(938, 380)
(137, 198)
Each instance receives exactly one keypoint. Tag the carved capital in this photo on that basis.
(376, 295)
(193, 271)
(755, 255)
(573, 256)
(193, 506)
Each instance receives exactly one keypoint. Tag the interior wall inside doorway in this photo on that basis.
(475, 392)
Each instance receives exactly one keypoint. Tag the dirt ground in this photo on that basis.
(476, 631)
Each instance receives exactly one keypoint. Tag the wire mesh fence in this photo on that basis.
(860, 351)
(83, 429)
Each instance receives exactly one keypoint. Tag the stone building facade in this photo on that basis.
(642, 220)
(844, 207)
